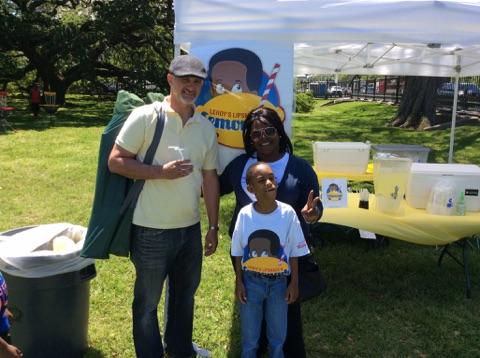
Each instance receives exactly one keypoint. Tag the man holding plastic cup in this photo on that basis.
(166, 238)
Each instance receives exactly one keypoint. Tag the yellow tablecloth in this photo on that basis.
(414, 225)
(367, 176)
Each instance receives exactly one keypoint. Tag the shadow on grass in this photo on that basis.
(391, 291)
(94, 353)
(234, 349)
(397, 270)
(83, 112)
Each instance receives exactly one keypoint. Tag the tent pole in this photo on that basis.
(295, 89)
(454, 111)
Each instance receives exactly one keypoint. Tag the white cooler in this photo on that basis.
(424, 176)
(417, 153)
(341, 157)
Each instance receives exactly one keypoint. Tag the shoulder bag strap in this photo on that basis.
(137, 186)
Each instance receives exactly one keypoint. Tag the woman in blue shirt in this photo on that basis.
(265, 140)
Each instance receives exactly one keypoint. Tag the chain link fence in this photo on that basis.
(390, 89)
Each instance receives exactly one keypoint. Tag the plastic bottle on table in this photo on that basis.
(460, 206)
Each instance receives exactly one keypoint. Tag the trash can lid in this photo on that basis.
(30, 252)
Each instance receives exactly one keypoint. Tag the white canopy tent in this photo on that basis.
(411, 37)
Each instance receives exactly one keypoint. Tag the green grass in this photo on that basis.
(365, 121)
(391, 301)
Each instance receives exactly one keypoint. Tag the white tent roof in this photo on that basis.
(388, 37)
(358, 36)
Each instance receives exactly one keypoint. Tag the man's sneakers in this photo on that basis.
(201, 352)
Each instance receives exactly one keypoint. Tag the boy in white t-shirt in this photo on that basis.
(266, 243)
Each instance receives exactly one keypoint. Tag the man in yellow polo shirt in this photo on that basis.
(166, 238)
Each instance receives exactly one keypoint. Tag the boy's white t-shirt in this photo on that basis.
(282, 223)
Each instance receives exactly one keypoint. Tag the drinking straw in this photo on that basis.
(271, 80)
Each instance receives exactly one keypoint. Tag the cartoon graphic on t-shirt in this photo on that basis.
(264, 254)
(236, 84)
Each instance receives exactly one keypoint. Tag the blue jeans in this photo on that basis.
(158, 254)
(265, 298)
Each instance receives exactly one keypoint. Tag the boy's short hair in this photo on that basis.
(250, 170)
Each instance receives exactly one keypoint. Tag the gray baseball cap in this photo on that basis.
(186, 65)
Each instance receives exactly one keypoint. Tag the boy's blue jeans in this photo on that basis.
(156, 255)
(265, 298)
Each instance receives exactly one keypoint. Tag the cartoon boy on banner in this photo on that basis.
(236, 84)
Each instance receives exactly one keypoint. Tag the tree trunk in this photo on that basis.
(418, 105)
(54, 83)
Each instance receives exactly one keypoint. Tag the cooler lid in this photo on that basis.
(400, 147)
(445, 169)
(342, 145)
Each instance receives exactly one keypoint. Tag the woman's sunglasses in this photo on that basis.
(263, 132)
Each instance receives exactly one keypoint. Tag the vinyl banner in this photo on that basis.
(241, 77)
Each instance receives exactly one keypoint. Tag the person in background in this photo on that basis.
(166, 238)
(35, 99)
(265, 140)
(266, 229)
(7, 350)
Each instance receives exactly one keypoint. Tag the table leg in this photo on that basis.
(466, 269)
(464, 263)
(442, 254)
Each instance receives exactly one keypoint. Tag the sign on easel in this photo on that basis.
(334, 193)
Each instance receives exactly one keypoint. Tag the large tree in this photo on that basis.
(417, 108)
(12, 66)
(69, 40)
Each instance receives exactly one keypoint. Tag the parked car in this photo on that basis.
(369, 89)
(346, 91)
(335, 91)
(469, 89)
(464, 89)
(446, 89)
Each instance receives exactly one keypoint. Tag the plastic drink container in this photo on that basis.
(390, 176)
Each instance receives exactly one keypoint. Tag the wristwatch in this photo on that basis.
(213, 227)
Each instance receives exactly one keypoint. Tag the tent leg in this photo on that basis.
(454, 113)
(176, 50)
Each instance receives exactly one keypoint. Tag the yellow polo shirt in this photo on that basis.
(170, 203)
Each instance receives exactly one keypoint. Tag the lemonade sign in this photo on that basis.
(228, 111)
(240, 78)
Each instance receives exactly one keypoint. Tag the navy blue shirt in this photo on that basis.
(299, 178)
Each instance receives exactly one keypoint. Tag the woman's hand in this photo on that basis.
(310, 211)
(291, 294)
